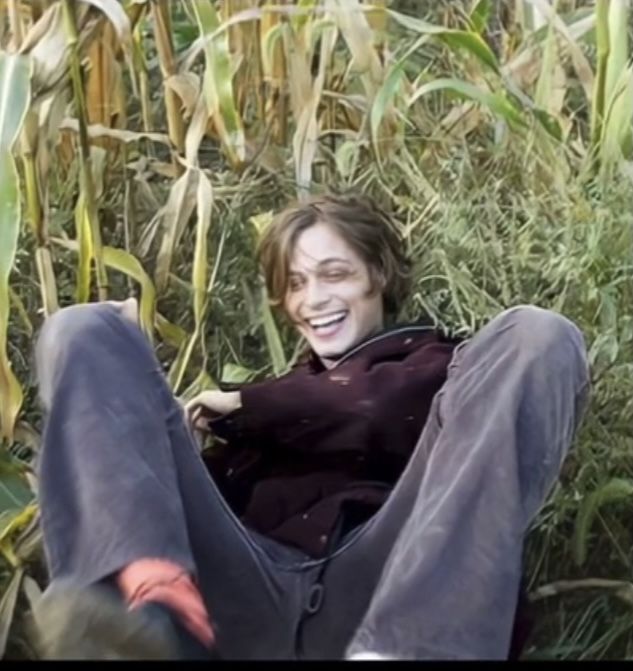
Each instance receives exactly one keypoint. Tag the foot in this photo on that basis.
(94, 623)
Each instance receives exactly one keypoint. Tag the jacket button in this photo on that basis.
(408, 341)
(304, 516)
(323, 539)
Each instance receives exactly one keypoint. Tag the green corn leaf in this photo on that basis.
(456, 39)
(234, 374)
(124, 262)
(15, 72)
(616, 490)
(479, 15)
(7, 607)
(218, 83)
(171, 333)
(85, 250)
(495, 102)
(273, 339)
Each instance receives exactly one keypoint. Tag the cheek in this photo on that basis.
(291, 305)
(358, 295)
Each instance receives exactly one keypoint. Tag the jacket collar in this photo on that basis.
(392, 339)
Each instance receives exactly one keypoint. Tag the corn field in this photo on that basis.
(144, 145)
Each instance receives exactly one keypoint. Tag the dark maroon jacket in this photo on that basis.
(314, 443)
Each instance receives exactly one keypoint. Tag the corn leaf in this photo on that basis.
(616, 490)
(617, 129)
(13, 521)
(117, 17)
(386, 93)
(234, 374)
(273, 340)
(469, 41)
(171, 333)
(177, 369)
(15, 74)
(383, 99)
(305, 140)
(619, 56)
(7, 607)
(48, 283)
(495, 102)
(598, 99)
(124, 262)
(200, 258)
(21, 311)
(571, 35)
(47, 46)
(174, 217)
(478, 17)
(549, 65)
(31, 590)
(218, 84)
(352, 21)
(186, 85)
(14, 491)
(83, 234)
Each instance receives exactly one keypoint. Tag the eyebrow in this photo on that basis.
(325, 262)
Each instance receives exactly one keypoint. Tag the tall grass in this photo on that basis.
(161, 136)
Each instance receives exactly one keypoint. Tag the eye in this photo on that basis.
(295, 283)
(335, 275)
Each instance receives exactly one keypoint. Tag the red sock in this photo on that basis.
(167, 583)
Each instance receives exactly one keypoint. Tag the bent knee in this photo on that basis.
(542, 330)
(68, 325)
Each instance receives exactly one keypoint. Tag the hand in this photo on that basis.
(211, 402)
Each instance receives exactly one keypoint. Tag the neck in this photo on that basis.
(330, 361)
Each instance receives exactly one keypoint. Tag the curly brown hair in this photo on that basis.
(366, 227)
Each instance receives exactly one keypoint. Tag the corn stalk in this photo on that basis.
(162, 34)
(87, 203)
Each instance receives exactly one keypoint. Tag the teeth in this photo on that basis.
(327, 320)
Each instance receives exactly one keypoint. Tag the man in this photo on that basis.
(372, 503)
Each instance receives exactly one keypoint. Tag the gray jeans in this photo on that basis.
(433, 575)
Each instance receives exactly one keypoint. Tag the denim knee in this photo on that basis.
(543, 332)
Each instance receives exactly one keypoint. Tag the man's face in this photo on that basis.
(328, 297)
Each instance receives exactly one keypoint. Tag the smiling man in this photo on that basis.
(371, 503)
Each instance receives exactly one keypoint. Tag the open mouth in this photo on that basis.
(328, 324)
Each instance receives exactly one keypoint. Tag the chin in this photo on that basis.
(332, 351)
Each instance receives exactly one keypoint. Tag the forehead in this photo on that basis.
(320, 243)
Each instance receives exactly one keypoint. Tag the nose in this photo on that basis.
(317, 294)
